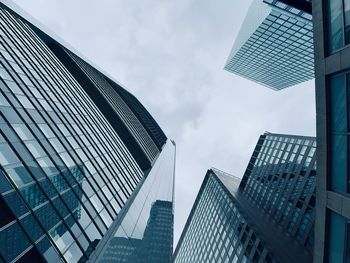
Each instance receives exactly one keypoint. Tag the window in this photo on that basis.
(338, 238)
(339, 99)
(338, 17)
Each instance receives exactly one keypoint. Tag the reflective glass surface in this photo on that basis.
(338, 19)
(216, 230)
(280, 181)
(339, 98)
(337, 236)
(145, 234)
(120, 107)
(278, 54)
(65, 174)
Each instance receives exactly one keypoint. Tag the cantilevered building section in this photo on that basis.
(268, 216)
(84, 167)
(274, 46)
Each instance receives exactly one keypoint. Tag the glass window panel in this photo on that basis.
(347, 21)
(48, 251)
(336, 238)
(35, 148)
(7, 155)
(46, 130)
(32, 227)
(73, 254)
(22, 131)
(25, 102)
(57, 145)
(347, 247)
(13, 242)
(47, 216)
(61, 237)
(47, 166)
(92, 232)
(338, 104)
(19, 174)
(335, 25)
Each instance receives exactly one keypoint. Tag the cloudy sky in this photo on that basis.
(171, 55)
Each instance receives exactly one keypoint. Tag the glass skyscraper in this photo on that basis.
(268, 216)
(332, 56)
(274, 46)
(84, 167)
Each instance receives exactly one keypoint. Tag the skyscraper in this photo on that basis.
(268, 216)
(82, 162)
(332, 64)
(274, 46)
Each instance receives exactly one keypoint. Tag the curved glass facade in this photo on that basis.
(66, 175)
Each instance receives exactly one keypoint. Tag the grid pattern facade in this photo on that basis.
(120, 107)
(64, 172)
(143, 115)
(280, 180)
(279, 54)
(332, 49)
(290, 9)
(216, 230)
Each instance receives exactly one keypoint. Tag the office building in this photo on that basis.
(274, 46)
(82, 162)
(268, 216)
(331, 20)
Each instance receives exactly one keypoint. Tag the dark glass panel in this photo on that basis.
(6, 216)
(335, 24)
(347, 21)
(32, 227)
(48, 251)
(336, 238)
(31, 256)
(16, 204)
(13, 242)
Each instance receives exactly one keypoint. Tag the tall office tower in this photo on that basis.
(274, 46)
(82, 163)
(332, 64)
(268, 216)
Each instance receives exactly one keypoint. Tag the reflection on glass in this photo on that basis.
(146, 232)
(347, 21)
(335, 25)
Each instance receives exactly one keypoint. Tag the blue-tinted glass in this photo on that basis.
(336, 238)
(335, 25)
(16, 204)
(347, 21)
(338, 104)
(12, 242)
(347, 247)
(4, 183)
(47, 250)
(32, 227)
(7, 155)
(338, 175)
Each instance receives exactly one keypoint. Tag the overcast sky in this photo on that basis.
(171, 54)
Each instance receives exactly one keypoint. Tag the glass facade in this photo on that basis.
(280, 180)
(298, 9)
(66, 176)
(339, 98)
(338, 19)
(216, 230)
(338, 238)
(279, 52)
(119, 106)
(145, 234)
(233, 221)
